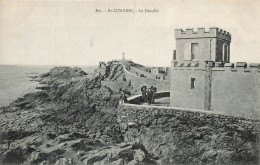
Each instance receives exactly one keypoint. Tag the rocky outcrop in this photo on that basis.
(71, 107)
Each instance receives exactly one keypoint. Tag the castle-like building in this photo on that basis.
(202, 76)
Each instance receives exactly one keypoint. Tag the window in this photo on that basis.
(192, 86)
(194, 51)
(174, 55)
(225, 53)
(191, 51)
(187, 52)
(212, 55)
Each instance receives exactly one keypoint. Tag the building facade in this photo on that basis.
(202, 76)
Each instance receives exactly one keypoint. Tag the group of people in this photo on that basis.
(148, 94)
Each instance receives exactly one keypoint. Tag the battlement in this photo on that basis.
(213, 32)
(239, 67)
(216, 66)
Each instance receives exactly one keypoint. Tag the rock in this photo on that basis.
(44, 163)
(95, 159)
(63, 107)
(15, 156)
(64, 161)
(131, 124)
(209, 156)
(123, 126)
(48, 145)
(139, 155)
(117, 162)
(36, 158)
(51, 135)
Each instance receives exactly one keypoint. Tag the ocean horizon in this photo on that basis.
(15, 80)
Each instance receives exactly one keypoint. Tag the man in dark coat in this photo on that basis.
(144, 94)
(154, 93)
(151, 94)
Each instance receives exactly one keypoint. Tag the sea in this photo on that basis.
(16, 81)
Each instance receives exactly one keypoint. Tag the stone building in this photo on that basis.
(200, 46)
(160, 72)
(155, 71)
(202, 76)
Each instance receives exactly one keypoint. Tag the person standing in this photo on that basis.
(144, 94)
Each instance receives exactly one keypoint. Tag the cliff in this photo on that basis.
(72, 119)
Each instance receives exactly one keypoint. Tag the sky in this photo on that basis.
(60, 32)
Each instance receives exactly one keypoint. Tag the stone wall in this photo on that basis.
(137, 82)
(181, 93)
(186, 136)
(139, 72)
(236, 91)
(231, 90)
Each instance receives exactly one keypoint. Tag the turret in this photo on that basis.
(199, 46)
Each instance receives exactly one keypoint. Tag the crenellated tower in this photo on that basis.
(202, 76)
(200, 46)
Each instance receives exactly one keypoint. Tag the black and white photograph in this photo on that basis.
(129, 82)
